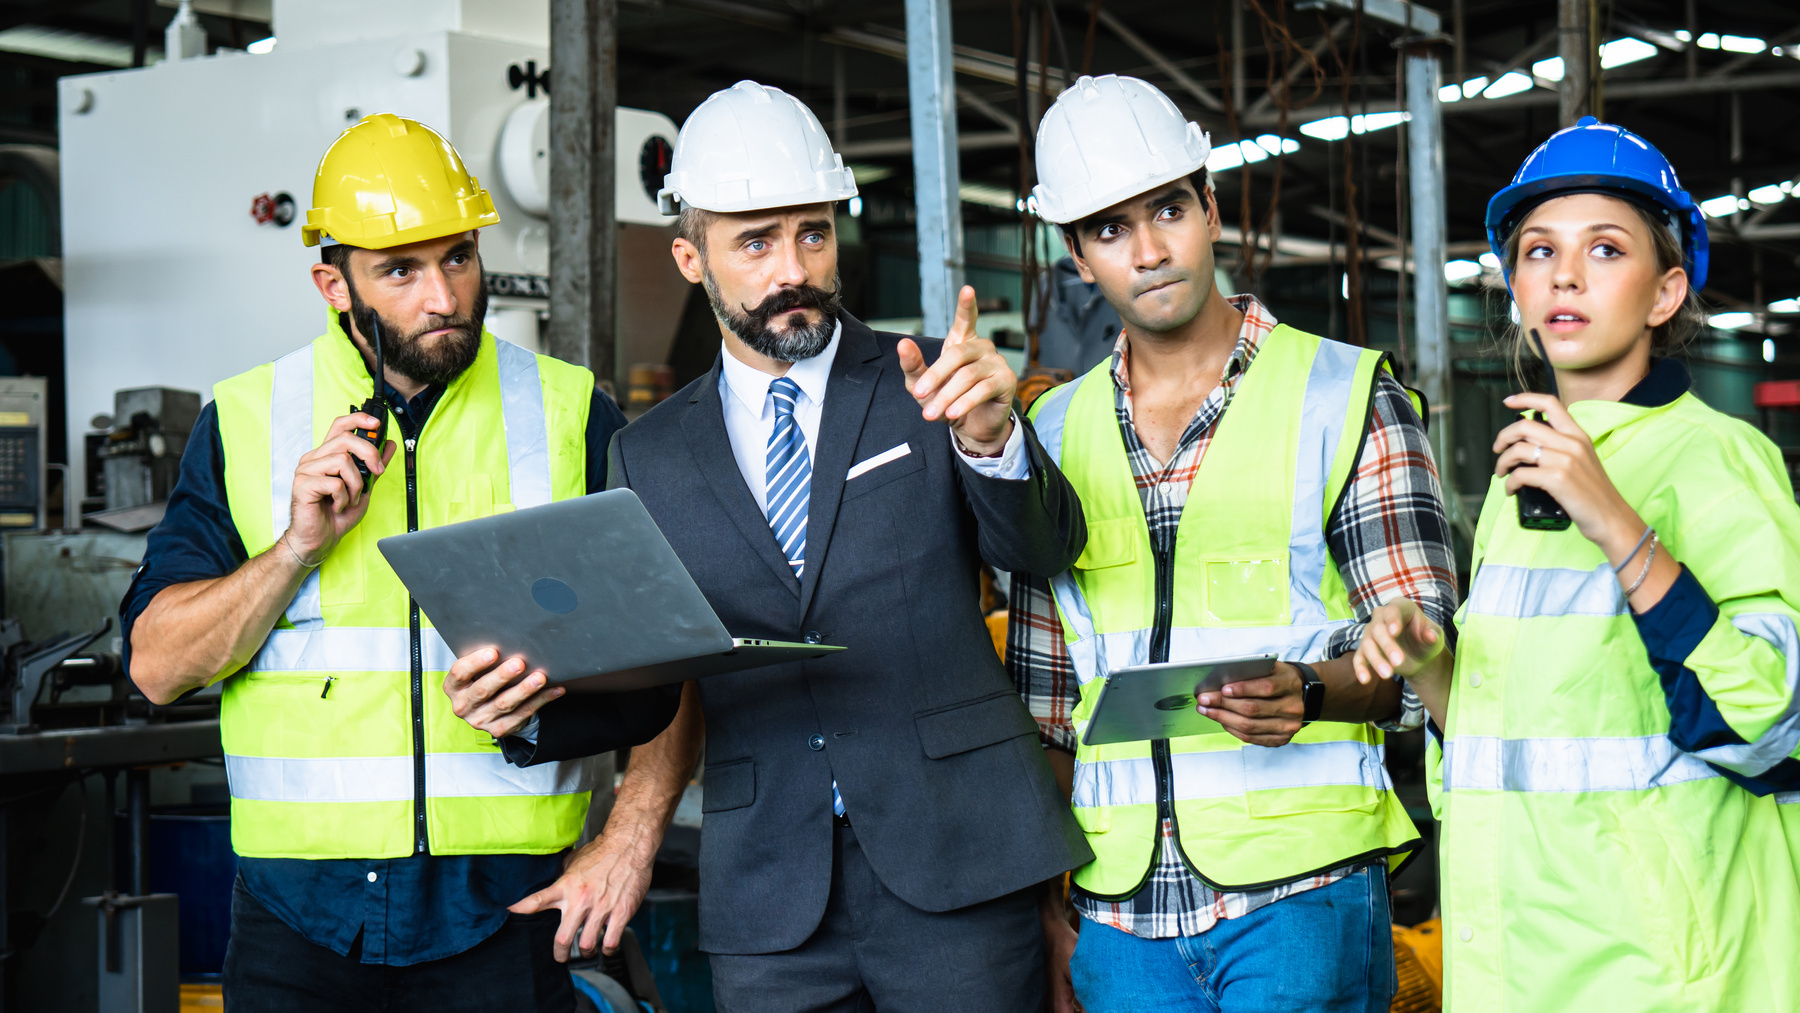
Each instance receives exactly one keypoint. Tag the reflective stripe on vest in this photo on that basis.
(351, 649)
(390, 778)
(1490, 763)
(1518, 592)
(1230, 772)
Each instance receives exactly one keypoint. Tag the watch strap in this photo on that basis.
(1312, 692)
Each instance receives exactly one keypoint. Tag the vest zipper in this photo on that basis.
(1159, 653)
(418, 668)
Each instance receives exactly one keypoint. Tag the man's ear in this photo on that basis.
(688, 260)
(332, 286)
(1215, 227)
(1080, 261)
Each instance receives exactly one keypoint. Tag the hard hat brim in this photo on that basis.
(369, 233)
(1069, 215)
(1504, 208)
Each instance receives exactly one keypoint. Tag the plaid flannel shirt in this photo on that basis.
(1390, 539)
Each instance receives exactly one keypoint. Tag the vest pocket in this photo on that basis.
(1246, 591)
(1110, 543)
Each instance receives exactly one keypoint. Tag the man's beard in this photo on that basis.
(406, 353)
(786, 344)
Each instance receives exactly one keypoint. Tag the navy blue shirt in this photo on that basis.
(405, 910)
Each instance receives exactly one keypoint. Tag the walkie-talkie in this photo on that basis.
(377, 404)
(1538, 510)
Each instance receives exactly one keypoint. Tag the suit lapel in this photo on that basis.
(704, 424)
(848, 393)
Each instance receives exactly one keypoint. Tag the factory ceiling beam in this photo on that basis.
(584, 266)
(988, 109)
(1622, 90)
(895, 147)
(966, 60)
(39, 12)
(1162, 63)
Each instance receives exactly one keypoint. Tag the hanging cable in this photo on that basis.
(80, 843)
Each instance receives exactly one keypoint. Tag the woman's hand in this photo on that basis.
(1401, 640)
(1568, 468)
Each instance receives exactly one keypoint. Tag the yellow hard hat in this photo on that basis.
(388, 181)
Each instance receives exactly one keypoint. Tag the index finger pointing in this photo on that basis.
(963, 327)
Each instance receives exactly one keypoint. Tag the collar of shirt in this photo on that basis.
(1666, 381)
(412, 412)
(1258, 322)
(751, 385)
(750, 411)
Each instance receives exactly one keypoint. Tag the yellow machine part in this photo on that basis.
(1419, 963)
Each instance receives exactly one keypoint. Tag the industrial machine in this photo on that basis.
(181, 183)
(140, 458)
(22, 447)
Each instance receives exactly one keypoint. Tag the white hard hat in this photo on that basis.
(751, 147)
(1107, 139)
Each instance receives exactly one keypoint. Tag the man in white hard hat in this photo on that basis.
(1249, 490)
(878, 821)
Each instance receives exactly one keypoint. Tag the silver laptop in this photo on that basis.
(587, 590)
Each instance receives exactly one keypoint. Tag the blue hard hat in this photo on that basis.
(1595, 157)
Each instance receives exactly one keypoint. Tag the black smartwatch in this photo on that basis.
(1312, 692)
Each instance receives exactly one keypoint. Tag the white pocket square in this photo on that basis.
(885, 457)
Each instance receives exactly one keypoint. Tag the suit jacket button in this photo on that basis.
(816, 743)
(812, 637)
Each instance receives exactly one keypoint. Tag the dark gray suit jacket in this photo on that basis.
(936, 756)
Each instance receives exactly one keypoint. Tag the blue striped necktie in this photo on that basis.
(790, 476)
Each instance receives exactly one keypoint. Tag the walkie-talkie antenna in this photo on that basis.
(381, 363)
(377, 404)
(1537, 342)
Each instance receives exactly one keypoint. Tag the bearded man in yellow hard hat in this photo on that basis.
(380, 830)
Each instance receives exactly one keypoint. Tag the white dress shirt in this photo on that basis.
(750, 419)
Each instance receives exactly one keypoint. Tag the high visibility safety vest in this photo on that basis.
(1250, 574)
(339, 739)
(1588, 863)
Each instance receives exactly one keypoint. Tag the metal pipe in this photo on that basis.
(583, 224)
(937, 170)
(1574, 45)
(137, 802)
(1431, 306)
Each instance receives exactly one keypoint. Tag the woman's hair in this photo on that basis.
(1669, 337)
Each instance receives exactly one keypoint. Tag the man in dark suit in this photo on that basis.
(878, 823)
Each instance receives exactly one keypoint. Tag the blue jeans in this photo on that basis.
(1329, 950)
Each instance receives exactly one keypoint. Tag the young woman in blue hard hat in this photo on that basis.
(1615, 773)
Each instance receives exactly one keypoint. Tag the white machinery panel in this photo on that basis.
(169, 279)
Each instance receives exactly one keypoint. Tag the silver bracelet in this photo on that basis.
(1645, 572)
(284, 542)
(1629, 556)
